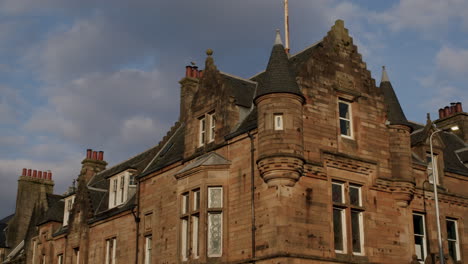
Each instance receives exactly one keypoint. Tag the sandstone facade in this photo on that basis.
(307, 162)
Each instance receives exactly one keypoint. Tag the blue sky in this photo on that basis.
(86, 74)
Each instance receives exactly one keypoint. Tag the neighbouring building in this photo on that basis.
(306, 162)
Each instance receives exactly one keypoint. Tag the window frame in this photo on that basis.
(278, 121)
(148, 250)
(424, 236)
(349, 120)
(347, 209)
(212, 134)
(201, 131)
(60, 258)
(456, 240)
(429, 168)
(111, 257)
(69, 202)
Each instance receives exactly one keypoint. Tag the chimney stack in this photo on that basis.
(93, 163)
(193, 72)
(450, 110)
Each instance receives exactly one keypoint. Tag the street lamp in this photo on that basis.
(435, 177)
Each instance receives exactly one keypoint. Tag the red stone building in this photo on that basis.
(306, 162)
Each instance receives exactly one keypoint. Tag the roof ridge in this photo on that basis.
(238, 77)
(177, 123)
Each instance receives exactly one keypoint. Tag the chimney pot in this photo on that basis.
(101, 155)
(458, 107)
(29, 172)
(188, 71)
(195, 72)
(447, 111)
(441, 113)
(94, 157)
(39, 174)
(25, 171)
(34, 173)
(453, 109)
(200, 74)
(88, 153)
(49, 175)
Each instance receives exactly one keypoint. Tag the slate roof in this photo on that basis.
(3, 225)
(279, 76)
(208, 159)
(241, 89)
(452, 162)
(55, 212)
(395, 113)
(249, 123)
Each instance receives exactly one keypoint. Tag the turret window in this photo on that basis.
(278, 121)
(344, 109)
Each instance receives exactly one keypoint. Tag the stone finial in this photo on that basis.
(384, 75)
(278, 38)
(209, 62)
(209, 52)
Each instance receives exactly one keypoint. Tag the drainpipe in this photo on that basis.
(252, 191)
(136, 215)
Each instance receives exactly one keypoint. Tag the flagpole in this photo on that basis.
(286, 25)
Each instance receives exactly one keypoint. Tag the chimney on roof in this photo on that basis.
(453, 115)
(92, 164)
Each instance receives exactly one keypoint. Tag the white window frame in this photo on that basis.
(431, 174)
(343, 228)
(148, 249)
(111, 243)
(201, 131)
(359, 193)
(60, 259)
(118, 188)
(278, 121)
(350, 119)
(424, 236)
(456, 240)
(342, 187)
(69, 201)
(361, 233)
(212, 210)
(212, 127)
(76, 253)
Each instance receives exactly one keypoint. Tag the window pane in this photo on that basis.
(344, 127)
(337, 192)
(338, 229)
(215, 197)
(451, 231)
(418, 225)
(452, 246)
(185, 204)
(196, 200)
(354, 195)
(344, 110)
(215, 234)
(356, 231)
(184, 238)
(195, 236)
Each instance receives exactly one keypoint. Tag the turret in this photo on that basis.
(400, 143)
(279, 103)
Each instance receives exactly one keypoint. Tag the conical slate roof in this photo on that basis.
(279, 76)
(395, 113)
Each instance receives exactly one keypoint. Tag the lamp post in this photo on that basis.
(435, 177)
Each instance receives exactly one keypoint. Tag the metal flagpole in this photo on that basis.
(286, 25)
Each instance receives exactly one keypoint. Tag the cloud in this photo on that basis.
(426, 15)
(453, 61)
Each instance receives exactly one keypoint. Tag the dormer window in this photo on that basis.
(69, 201)
(202, 131)
(121, 187)
(431, 173)
(344, 109)
(278, 121)
(212, 126)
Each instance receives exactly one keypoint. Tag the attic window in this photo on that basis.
(69, 201)
(212, 126)
(430, 171)
(119, 188)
